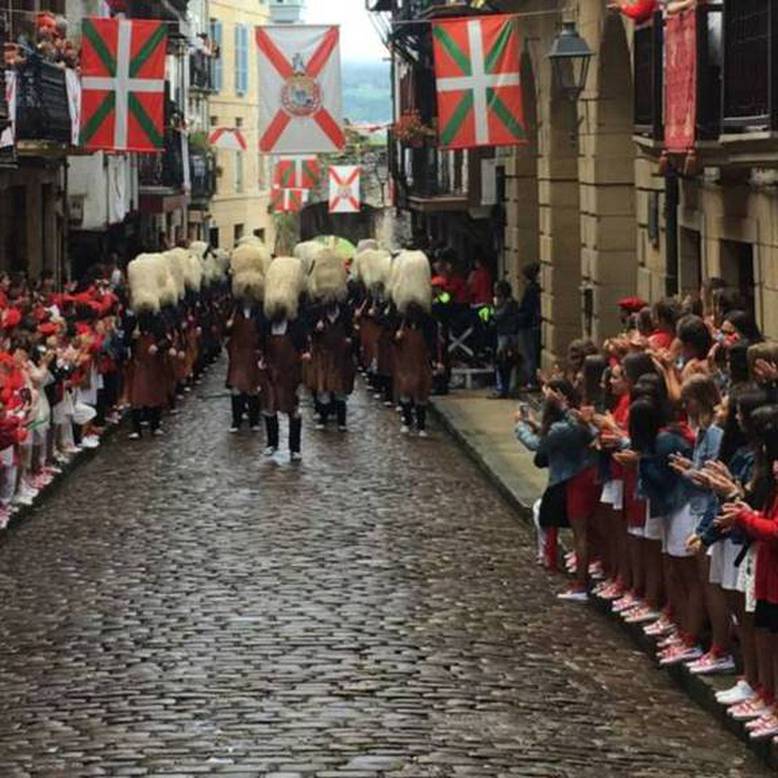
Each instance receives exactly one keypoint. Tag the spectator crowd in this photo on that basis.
(661, 447)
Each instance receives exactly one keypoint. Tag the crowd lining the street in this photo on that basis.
(661, 446)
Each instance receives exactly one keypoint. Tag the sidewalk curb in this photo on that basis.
(700, 689)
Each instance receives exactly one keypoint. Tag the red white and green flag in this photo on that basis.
(478, 82)
(297, 172)
(283, 200)
(123, 84)
(345, 183)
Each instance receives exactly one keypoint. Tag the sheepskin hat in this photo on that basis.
(307, 252)
(199, 248)
(411, 281)
(367, 244)
(284, 284)
(372, 267)
(142, 278)
(328, 277)
(178, 262)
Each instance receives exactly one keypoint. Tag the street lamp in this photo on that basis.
(570, 56)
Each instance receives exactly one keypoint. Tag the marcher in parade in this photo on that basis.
(243, 330)
(331, 370)
(284, 347)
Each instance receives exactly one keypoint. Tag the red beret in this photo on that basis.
(632, 304)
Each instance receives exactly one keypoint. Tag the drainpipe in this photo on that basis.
(671, 232)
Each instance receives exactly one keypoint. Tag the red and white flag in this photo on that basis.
(288, 200)
(344, 188)
(123, 84)
(297, 172)
(300, 89)
(478, 82)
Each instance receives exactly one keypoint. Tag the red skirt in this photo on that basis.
(634, 507)
(583, 494)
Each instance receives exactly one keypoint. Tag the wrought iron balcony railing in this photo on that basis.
(42, 112)
(202, 171)
(165, 169)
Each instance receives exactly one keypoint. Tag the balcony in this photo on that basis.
(201, 71)
(649, 74)
(202, 167)
(164, 170)
(435, 179)
(750, 57)
(42, 113)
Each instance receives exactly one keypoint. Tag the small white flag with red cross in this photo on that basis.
(344, 188)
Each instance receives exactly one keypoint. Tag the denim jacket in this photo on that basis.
(742, 468)
(706, 448)
(565, 449)
(658, 482)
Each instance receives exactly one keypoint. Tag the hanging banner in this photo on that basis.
(288, 200)
(297, 172)
(478, 82)
(299, 89)
(344, 188)
(123, 84)
(681, 80)
(228, 138)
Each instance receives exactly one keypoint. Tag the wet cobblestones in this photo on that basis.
(182, 607)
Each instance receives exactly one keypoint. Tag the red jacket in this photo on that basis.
(764, 528)
(480, 285)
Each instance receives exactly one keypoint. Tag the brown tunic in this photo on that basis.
(332, 365)
(243, 350)
(413, 373)
(369, 333)
(283, 374)
(148, 388)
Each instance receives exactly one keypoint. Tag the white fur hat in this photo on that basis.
(328, 277)
(284, 284)
(178, 262)
(142, 277)
(411, 281)
(372, 267)
(307, 252)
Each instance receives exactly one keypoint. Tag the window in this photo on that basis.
(237, 233)
(241, 59)
(238, 121)
(238, 171)
(216, 37)
(213, 237)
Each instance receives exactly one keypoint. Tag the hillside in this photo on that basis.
(367, 94)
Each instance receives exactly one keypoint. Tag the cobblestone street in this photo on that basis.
(182, 606)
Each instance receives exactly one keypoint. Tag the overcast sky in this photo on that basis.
(359, 40)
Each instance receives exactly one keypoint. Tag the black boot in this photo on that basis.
(388, 391)
(237, 412)
(271, 428)
(340, 409)
(155, 420)
(253, 403)
(295, 435)
(407, 417)
(421, 420)
(137, 423)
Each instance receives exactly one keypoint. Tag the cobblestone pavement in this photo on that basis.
(182, 607)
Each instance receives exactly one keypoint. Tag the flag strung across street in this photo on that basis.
(300, 89)
(344, 188)
(283, 200)
(297, 172)
(478, 82)
(123, 84)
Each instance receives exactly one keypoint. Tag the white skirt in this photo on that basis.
(722, 564)
(62, 412)
(654, 528)
(613, 494)
(679, 526)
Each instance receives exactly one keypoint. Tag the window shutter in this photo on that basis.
(216, 36)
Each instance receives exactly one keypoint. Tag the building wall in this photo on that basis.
(231, 209)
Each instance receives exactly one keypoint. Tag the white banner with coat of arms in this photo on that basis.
(300, 101)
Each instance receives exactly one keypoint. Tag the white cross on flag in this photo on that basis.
(288, 200)
(299, 89)
(344, 188)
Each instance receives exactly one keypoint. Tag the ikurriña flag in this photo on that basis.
(478, 81)
(284, 200)
(300, 102)
(297, 172)
(123, 84)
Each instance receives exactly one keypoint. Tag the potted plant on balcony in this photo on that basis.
(411, 130)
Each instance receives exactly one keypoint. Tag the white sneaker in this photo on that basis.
(318, 426)
(680, 653)
(233, 430)
(20, 498)
(158, 433)
(29, 490)
(270, 451)
(740, 692)
(256, 428)
(296, 456)
(573, 595)
(342, 428)
(405, 429)
(90, 441)
(134, 436)
(711, 663)
(423, 434)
